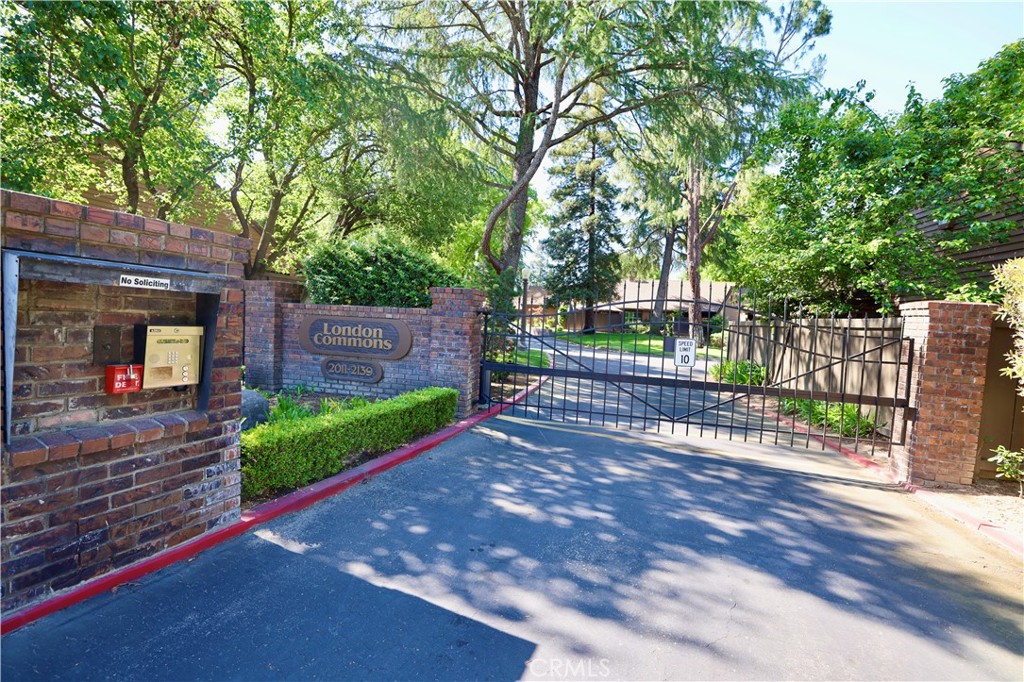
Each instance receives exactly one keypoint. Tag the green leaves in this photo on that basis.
(291, 453)
(375, 275)
(833, 222)
(584, 225)
(124, 81)
(1009, 280)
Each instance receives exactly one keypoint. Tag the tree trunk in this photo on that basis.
(515, 224)
(694, 247)
(658, 312)
(589, 316)
(130, 178)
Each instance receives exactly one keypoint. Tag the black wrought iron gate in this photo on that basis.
(770, 374)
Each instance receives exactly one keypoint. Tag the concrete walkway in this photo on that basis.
(534, 550)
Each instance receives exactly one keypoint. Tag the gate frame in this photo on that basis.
(900, 401)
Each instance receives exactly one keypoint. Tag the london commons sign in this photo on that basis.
(377, 339)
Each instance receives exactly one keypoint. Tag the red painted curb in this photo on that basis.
(846, 452)
(300, 499)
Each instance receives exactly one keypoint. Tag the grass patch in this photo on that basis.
(843, 418)
(530, 358)
(645, 344)
(292, 452)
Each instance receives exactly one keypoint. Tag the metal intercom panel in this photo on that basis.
(171, 355)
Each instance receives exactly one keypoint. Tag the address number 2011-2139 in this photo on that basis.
(342, 370)
(345, 368)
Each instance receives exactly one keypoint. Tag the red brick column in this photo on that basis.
(951, 342)
(264, 344)
(94, 481)
(456, 341)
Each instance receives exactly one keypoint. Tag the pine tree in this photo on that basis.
(584, 265)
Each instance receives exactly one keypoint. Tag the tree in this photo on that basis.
(964, 150)
(516, 74)
(832, 223)
(122, 83)
(320, 145)
(821, 229)
(287, 120)
(584, 224)
(689, 159)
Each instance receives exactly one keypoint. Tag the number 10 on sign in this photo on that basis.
(686, 353)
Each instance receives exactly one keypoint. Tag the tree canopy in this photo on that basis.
(125, 82)
(830, 221)
(518, 76)
(424, 122)
(262, 109)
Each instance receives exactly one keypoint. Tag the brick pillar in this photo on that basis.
(455, 343)
(951, 342)
(263, 337)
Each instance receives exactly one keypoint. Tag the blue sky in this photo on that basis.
(890, 44)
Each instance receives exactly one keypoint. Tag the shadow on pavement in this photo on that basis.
(260, 614)
(557, 541)
(609, 530)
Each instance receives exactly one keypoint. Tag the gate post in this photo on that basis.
(456, 342)
(951, 345)
(263, 346)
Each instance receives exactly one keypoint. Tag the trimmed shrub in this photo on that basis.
(374, 275)
(841, 417)
(741, 372)
(292, 453)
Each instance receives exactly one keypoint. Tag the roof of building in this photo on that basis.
(641, 295)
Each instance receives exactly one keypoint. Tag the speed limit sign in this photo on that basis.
(686, 353)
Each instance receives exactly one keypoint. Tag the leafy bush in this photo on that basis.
(716, 323)
(1009, 465)
(841, 417)
(1009, 279)
(289, 454)
(288, 409)
(374, 275)
(739, 372)
(717, 340)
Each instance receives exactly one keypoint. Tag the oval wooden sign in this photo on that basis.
(377, 339)
(341, 369)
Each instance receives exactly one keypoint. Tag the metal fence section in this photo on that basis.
(771, 374)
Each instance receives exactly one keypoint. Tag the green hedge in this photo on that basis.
(289, 454)
(374, 275)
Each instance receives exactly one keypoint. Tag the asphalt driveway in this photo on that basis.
(536, 550)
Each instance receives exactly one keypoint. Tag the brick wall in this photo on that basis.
(263, 328)
(91, 482)
(57, 384)
(951, 347)
(446, 346)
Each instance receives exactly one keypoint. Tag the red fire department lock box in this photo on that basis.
(124, 378)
